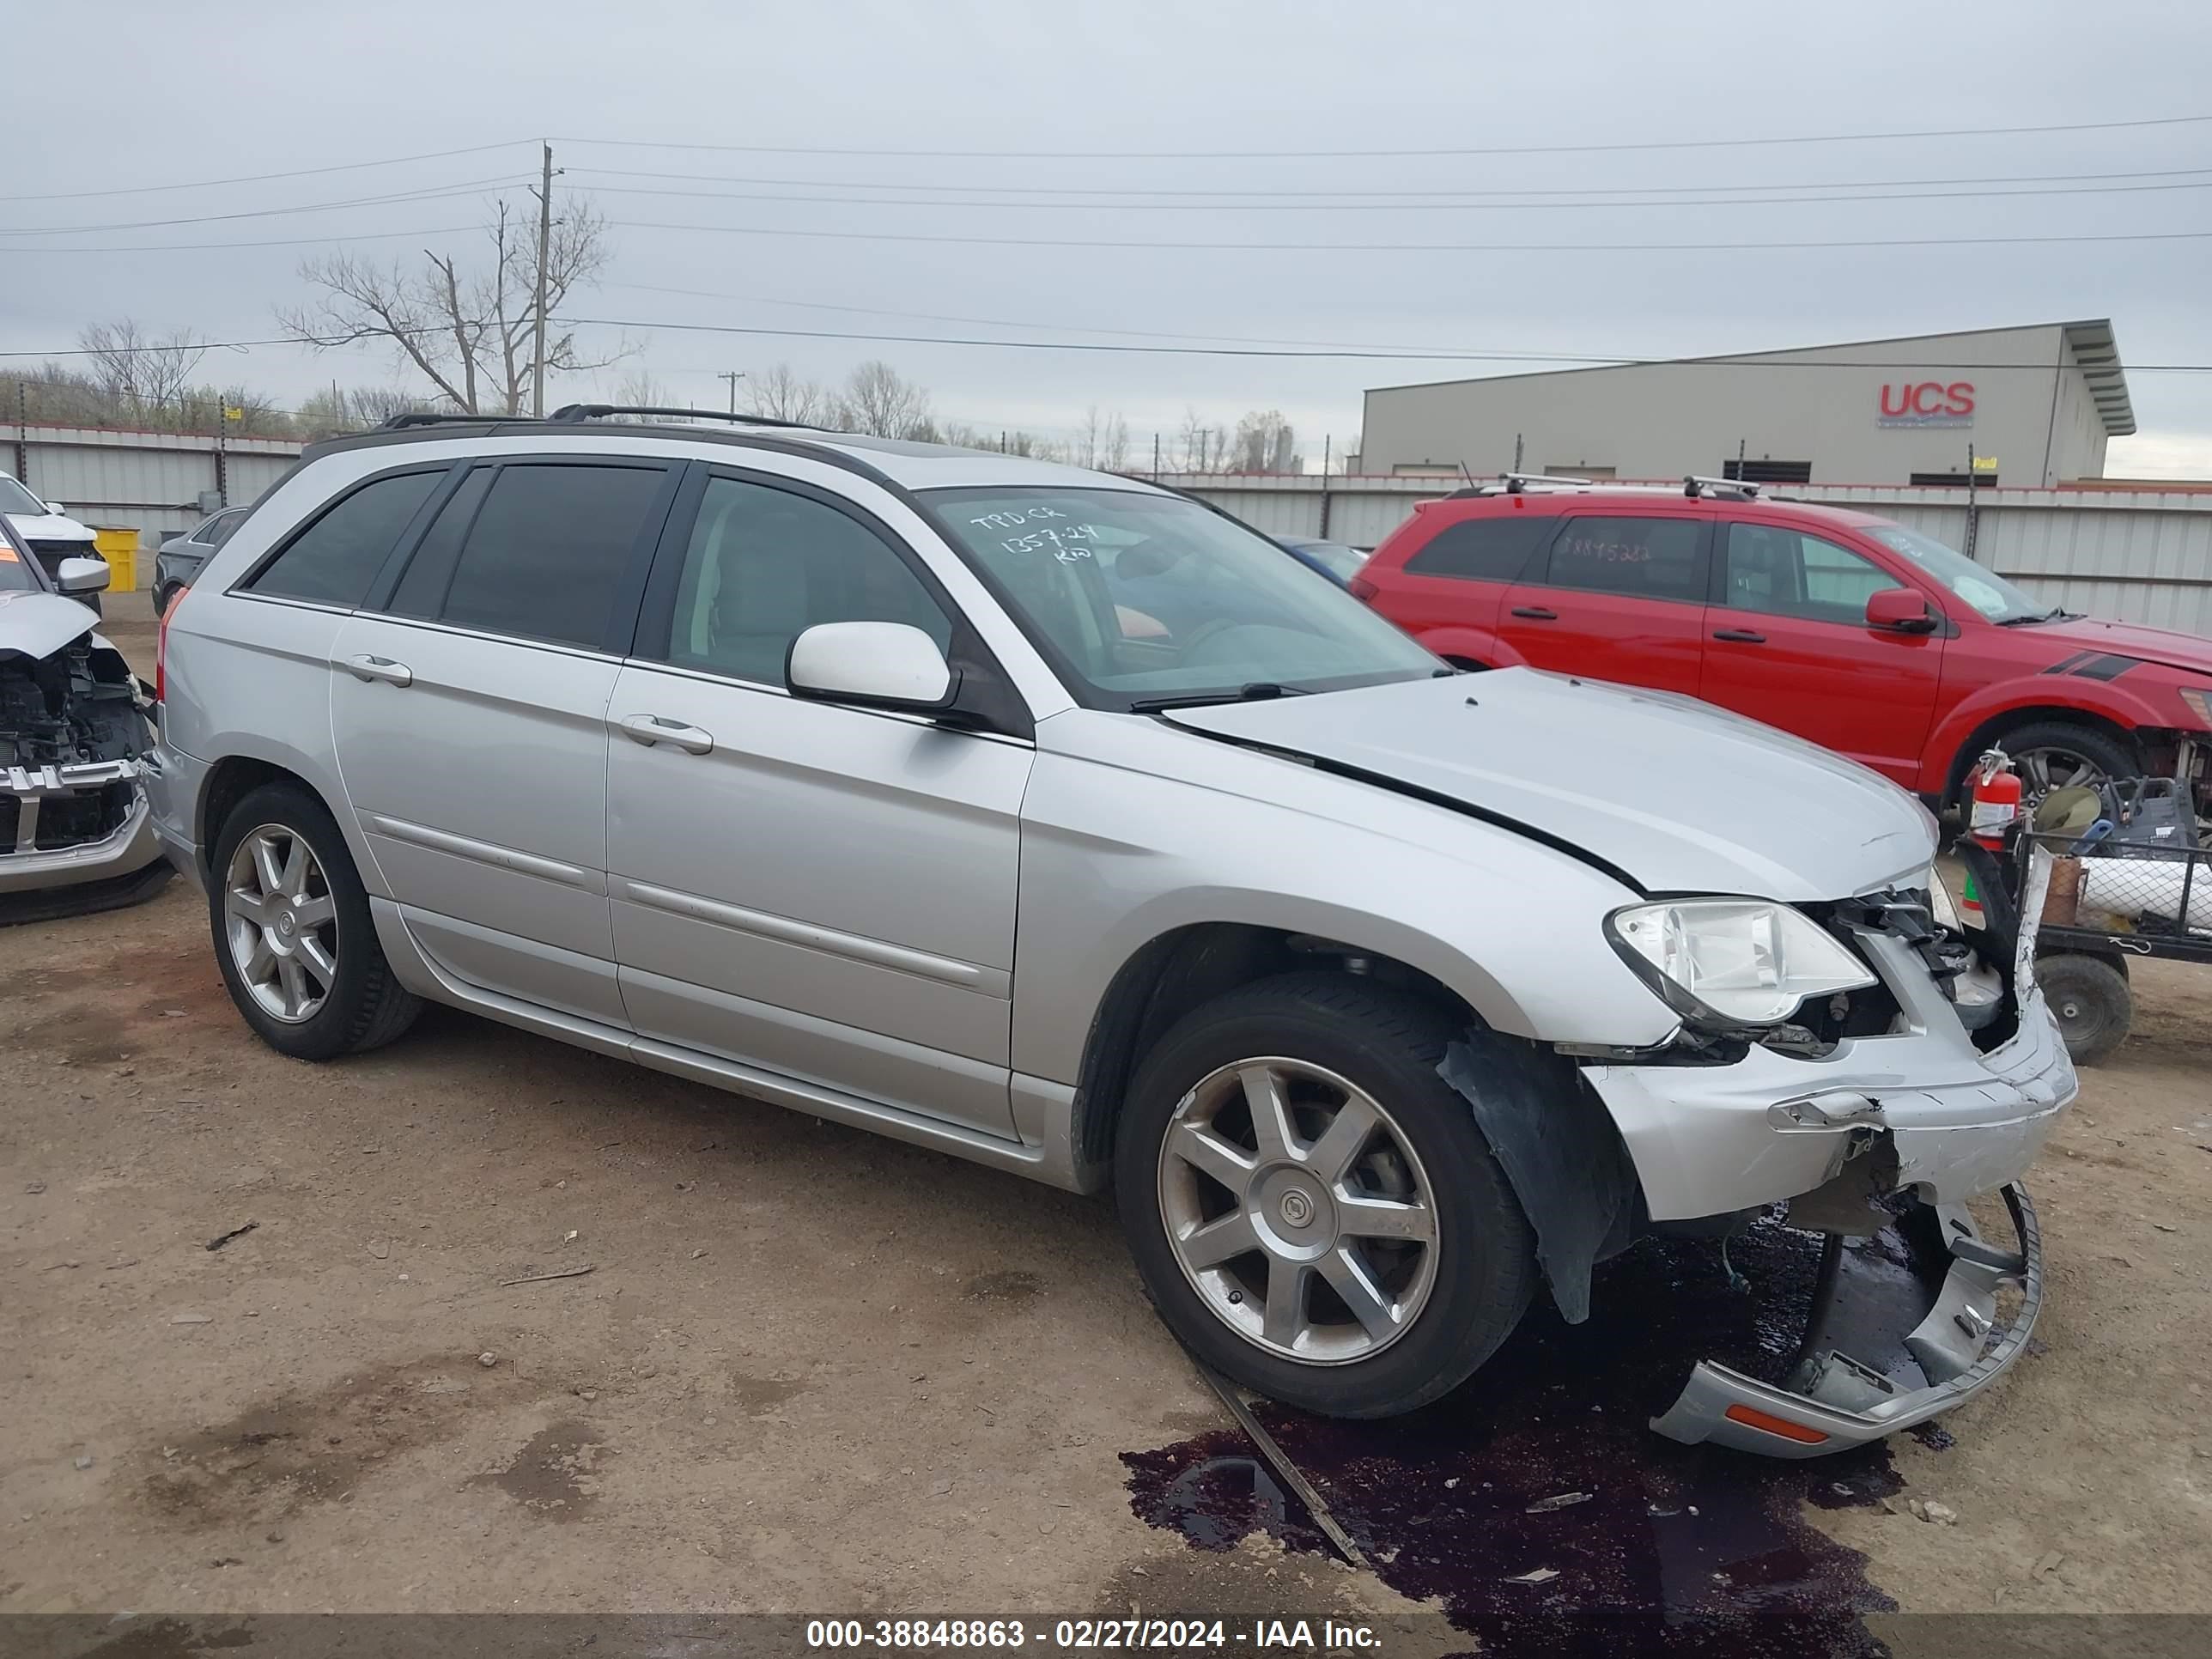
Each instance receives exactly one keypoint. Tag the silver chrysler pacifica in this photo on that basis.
(1062, 823)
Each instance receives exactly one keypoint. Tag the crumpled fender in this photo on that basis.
(36, 625)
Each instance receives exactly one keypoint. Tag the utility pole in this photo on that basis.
(545, 250)
(732, 375)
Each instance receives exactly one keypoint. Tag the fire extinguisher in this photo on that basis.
(1992, 808)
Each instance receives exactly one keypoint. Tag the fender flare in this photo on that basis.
(2055, 696)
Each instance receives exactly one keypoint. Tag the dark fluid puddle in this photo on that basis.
(1677, 1550)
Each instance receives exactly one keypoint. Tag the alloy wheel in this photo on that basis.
(281, 923)
(1298, 1210)
(2045, 768)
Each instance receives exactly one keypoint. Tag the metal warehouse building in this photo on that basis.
(2034, 404)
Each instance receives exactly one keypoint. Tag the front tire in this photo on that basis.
(293, 934)
(1312, 1209)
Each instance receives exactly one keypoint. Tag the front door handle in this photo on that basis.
(1536, 612)
(650, 729)
(1740, 635)
(366, 667)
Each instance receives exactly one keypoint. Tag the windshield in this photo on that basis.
(17, 574)
(1339, 561)
(1135, 596)
(14, 498)
(1979, 587)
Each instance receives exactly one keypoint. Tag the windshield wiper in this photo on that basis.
(2056, 613)
(1256, 691)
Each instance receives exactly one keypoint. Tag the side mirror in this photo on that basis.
(58, 509)
(1899, 611)
(878, 664)
(81, 575)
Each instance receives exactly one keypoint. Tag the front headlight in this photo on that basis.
(1733, 962)
(1940, 904)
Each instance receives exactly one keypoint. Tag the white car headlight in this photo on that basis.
(1733, 962)
(1940, 903)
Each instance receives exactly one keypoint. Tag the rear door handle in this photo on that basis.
(1740, 635)
(650, 729)
(1535, 612)
(366, 667)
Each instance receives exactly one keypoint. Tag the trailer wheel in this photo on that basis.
(2091, 1000)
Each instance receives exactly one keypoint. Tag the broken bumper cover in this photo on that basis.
(124, 851)
(1834, 1401)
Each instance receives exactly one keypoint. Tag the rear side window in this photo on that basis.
(1641, 558)
(543, 551)
(1494, 550)
(334, 559)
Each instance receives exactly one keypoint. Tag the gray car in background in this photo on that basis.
(181, 556)
(897, 784)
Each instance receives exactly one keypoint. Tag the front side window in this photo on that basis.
(17, 574)
(1136, 596)
(1786, 573)
(333, 560)
(545, 551)
(1636, 558)
(1979, 587)
(763, 565)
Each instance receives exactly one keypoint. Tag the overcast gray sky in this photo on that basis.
(111, 96)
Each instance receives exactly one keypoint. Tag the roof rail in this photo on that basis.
(572, 414)
(1512, 484)
(441, 417)
(1695, 485)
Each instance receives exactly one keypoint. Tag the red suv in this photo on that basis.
(1850, 630)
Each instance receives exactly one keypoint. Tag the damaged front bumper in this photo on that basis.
(1835, 1398)
(27, 864)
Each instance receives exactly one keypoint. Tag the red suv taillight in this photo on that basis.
(1362, 588)
(161, 647)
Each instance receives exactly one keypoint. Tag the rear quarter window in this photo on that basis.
(1492, 549)
(334, 559)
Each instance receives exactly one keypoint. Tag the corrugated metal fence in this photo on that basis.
(149, 482)
(2136, 555)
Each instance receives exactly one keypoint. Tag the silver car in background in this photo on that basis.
(1058, 823)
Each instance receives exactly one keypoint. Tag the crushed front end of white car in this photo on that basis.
(74, 830)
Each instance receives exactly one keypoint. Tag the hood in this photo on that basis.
(1681, 797)
(50, 527)
(2191, 652)
(36, 625)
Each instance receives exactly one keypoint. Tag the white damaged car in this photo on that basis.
(74, 832)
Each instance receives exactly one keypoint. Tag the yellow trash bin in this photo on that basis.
(118, 545)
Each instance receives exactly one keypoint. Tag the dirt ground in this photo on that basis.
(809, 1370)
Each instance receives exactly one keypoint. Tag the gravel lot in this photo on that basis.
(811, 1370)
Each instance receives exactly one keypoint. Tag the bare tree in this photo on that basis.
(1203, 448)
(1114, 446)
(137, 372)
(781, 394)
(880, 402)
(1265, 443)
(469, 332)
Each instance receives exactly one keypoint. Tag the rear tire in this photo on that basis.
(2090, 1000)
(336, 996)
(1416, 1316)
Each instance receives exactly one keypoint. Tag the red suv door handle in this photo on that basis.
(1535, 613)
(1740, 635)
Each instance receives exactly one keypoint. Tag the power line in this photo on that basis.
(282, 242)
(1767, 361)
(1370, 194)
(263, 178)
(1425, 247)
(428, 193)
(1485, 149)
(1396, 207)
